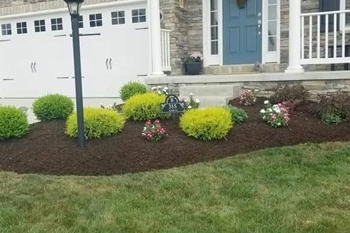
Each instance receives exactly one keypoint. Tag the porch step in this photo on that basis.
(241, 69)
(212, 95)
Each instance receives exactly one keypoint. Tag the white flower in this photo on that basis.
(191, 94)
(189, 106)
(144, 128)
(165, 88)
(278, 124)
(154, 88)
(266, 102)
(269, 109)
(159, 87)
(249, 91)
(159, 92)
(197, 101)
(262, 111)
(256, 90)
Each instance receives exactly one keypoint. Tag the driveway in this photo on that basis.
(91, 102)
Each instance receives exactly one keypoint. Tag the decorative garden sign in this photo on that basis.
(172, 105)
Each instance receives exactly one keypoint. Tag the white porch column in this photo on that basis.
(294, 37)
(156, 49)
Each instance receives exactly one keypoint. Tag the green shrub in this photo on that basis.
(131, 89)
(206, 124)
(13, 123)
(238, 115)
(142, 107)
(290, 93)
(331, 118)
(332, 106)
(98, 122)
(53, 106)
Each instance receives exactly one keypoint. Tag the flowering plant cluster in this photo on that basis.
(153, 131)
(191, 103)
(194, 57)
(113, 106)
(276, 115)
(160, 90)
(248, 98)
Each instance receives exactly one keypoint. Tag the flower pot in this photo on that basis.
(193, 68)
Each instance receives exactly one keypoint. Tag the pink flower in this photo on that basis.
(273, 116)
(149, 122)
(157, 121)
(279, 105)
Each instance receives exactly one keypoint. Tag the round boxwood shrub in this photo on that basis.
(53, 106)
(142, 107)
(13, 123)
(207, 124)
(98, 122)
(131, 89)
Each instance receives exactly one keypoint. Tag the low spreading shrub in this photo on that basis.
(290, 95)
(98, 122)
(332, 106)
(153, 131)
(331, 118)
(53, 106)
(161, 90)
(238, 115)
(275, 115)
(143, 107)
(207, 124)
(13, 123)
(248, 98)
(131, 89)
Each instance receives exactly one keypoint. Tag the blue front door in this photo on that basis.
(242, 35)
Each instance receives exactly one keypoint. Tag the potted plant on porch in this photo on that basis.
(194, 63)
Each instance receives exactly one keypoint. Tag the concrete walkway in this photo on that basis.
(88, 102)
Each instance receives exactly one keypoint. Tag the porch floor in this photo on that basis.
(251, 77)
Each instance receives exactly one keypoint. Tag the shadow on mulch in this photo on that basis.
(46, 149)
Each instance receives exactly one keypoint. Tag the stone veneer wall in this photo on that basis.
(186, 30)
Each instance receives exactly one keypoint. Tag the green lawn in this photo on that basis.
(293, 189)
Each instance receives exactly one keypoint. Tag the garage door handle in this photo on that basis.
(34, 65)
(31, 67)
(107, 64)
(110, 63)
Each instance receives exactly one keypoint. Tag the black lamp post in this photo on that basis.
(74, 9)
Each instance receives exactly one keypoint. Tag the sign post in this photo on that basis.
(173, 106)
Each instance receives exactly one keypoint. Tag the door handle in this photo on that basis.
(31, 67)
(34, 65)
(110, 63)
(259, 26)
(107, 64)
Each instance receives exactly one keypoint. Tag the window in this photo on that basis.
(138, 15)
(272, 25)
(39, 25)
(214, 27)
(96, 20)
(6, 29)
(56, 24)
(118, 17)
(22, 28)
(81, 21)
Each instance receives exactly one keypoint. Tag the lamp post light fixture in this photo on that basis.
(74, 9)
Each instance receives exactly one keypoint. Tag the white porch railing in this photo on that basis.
(322, 44)
(165, 40)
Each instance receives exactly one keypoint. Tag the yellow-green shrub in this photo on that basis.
(207, 124)
(98, 122)
(13, 123)
(142, 107)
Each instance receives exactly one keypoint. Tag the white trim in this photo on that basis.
(60, 10)
(211, 60)
(271, 57)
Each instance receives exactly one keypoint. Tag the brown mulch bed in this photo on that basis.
(46, 149)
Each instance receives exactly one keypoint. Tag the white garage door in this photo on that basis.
(36, 54)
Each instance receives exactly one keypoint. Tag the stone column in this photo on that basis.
(156, 49)
(294, 37)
